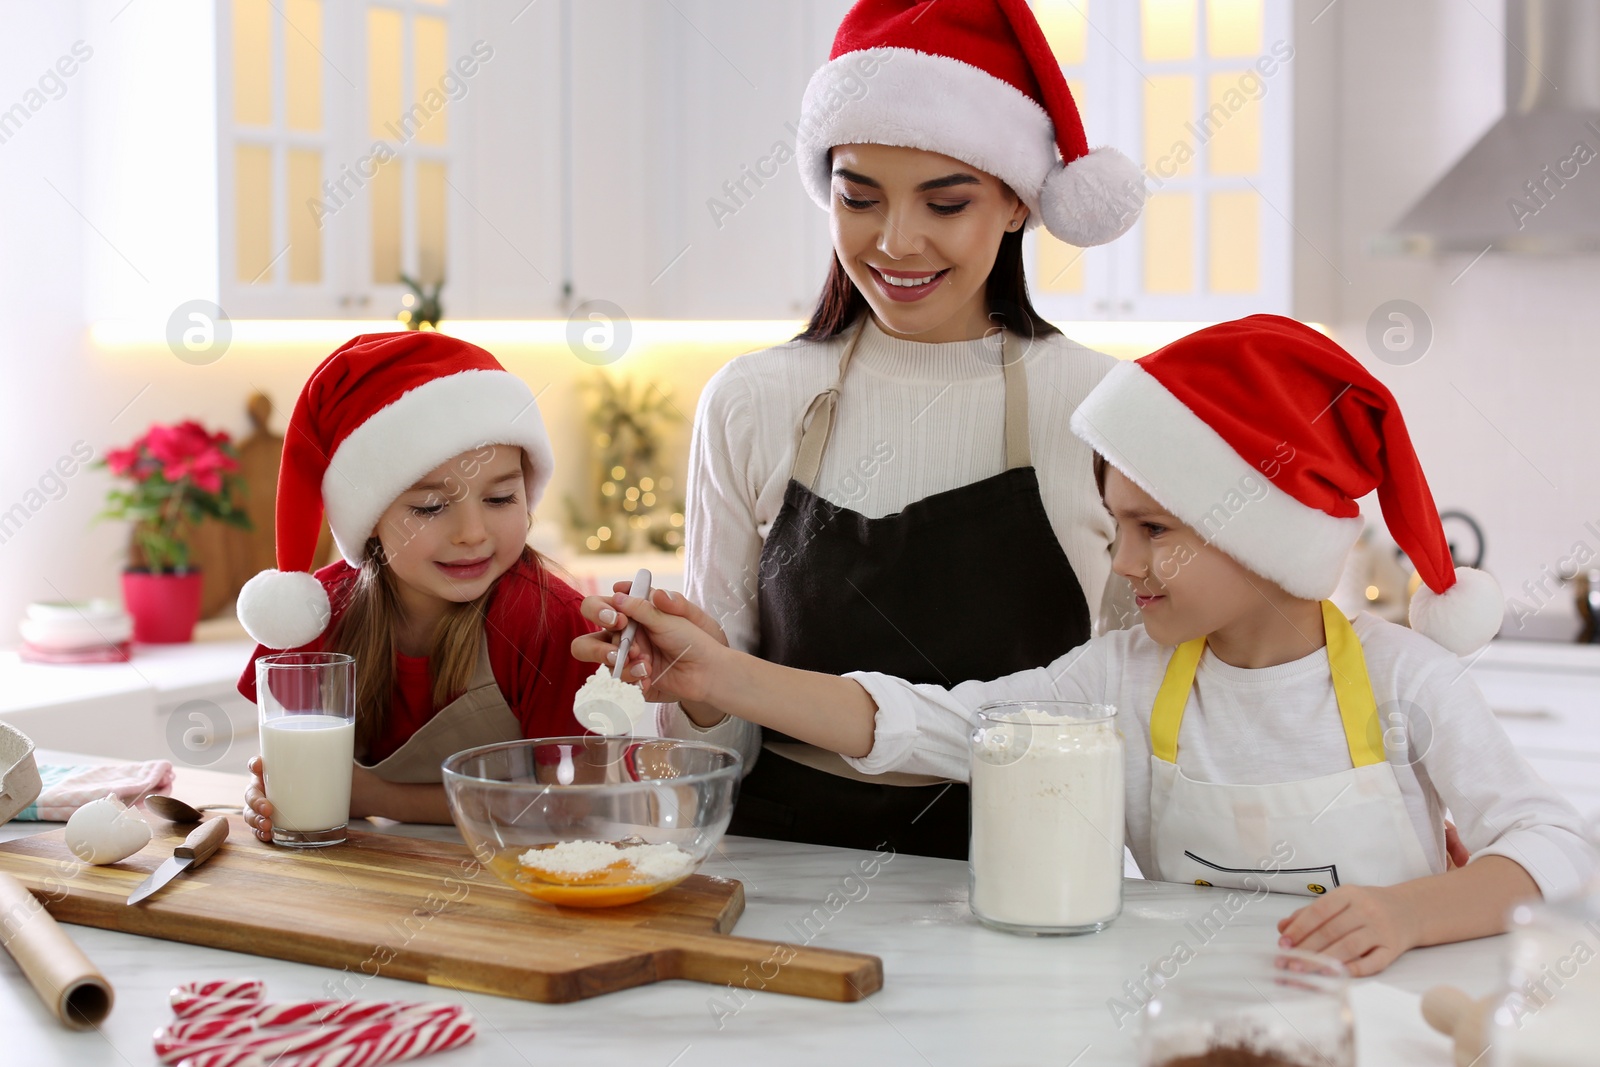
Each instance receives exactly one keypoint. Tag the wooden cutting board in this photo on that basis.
(425, 911)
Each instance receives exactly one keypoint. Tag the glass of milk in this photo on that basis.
(307, 705)
(1047, 817)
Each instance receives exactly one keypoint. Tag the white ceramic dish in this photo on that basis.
(48, 611)
(66, 634)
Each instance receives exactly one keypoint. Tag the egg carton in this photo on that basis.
(19, 775)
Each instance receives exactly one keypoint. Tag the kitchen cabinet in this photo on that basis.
(336, 145)
(1547, 697)
(1199, 93)
(291, 160)
(686, 199)
(294, 159)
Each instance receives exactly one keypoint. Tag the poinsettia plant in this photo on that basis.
(180, 476)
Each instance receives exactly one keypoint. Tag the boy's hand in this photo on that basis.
(1364, 927)
(601, 646)
(257, 809)
(675, 650)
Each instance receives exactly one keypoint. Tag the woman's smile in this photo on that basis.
(906, 286)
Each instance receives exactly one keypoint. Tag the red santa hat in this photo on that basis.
(974, 80)
(1262, 434)
(377, 415)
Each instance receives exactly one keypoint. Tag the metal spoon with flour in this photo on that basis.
(606, 704)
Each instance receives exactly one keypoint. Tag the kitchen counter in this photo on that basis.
(954, 993)
(174, 702)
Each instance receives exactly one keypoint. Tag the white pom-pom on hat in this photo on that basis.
(1094, 199)
(284, 609)
(1464, 617)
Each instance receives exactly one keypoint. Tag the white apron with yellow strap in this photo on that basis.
(479, 716)
(1348, 828)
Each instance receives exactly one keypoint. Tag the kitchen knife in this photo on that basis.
(198, 847)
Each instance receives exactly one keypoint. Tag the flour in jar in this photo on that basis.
(1047, 821)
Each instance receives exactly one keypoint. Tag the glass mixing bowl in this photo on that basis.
(592, 822)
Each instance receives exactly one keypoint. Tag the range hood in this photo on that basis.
(1532, 184)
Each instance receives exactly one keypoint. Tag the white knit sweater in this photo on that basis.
(914, 419)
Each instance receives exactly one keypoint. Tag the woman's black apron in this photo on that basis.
(968, 583)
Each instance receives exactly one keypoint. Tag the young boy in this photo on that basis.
(1260, 722)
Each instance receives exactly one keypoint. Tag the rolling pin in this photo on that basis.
(71, 986)
(1460, 1018)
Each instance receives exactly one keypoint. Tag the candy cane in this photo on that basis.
(400, 1048)
(241, 1036)
(175, 1041)
(434, 1037)
(221, 989)
(276, 1044)
(285, 1013)
(366, 1045)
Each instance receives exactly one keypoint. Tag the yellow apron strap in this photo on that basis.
(1358, 708)
(1167, 714)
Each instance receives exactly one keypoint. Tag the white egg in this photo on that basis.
(105, 831)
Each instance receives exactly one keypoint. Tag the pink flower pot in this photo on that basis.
(164, 607)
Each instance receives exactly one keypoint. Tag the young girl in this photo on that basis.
(1256, 715)
(921, 417)
(429, 458)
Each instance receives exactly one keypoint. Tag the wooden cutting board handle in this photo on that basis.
(771, 966)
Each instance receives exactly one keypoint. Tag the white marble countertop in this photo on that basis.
(954, 992)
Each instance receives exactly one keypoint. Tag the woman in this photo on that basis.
(865, 497)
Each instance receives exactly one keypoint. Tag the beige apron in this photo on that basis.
(480, 716)
(1350, 827)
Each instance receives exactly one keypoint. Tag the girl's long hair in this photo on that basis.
(366, 628)
(841, 303)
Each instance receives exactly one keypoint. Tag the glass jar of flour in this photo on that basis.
(1047, 817)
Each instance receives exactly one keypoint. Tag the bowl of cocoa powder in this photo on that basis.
(1240, 1007)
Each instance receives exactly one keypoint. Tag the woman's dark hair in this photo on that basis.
(841, 303)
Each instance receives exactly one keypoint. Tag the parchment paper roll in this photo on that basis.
(68, 983)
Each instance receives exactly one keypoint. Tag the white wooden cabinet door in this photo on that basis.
(739, 218)
(336, 145)
(686, 197)
(506, 213)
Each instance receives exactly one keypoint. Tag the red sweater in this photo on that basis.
(532, 664)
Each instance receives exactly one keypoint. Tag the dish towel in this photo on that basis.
(68, 788)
